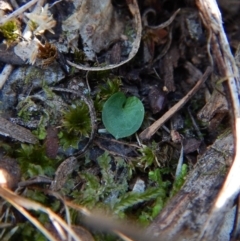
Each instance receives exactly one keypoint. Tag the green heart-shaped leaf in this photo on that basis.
(122, 116)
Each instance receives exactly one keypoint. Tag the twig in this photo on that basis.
(24, 203)
(6, 72)
(195, 125)
(8, 196)
(17, 12)
(151, 130)
(167, 23)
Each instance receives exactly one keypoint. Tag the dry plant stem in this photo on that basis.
(6, 194)
(17, 200)
(167, 23)
(98, 221)
(151, 130)
(91, 111)
(98, 143)
(227, 67)
(17, 12)
(6, 72)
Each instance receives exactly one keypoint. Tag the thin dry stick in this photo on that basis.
(167, 23)
(32, 205)
(17, 12)
(227, 66)
(151, 130)
(4, 193)
(6, 72)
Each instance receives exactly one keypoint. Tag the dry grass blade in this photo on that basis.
(20, 203)
(12, 198)
(151, 130)
(18, 12)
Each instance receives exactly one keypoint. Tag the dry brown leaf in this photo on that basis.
(96, 23)
(88, 21)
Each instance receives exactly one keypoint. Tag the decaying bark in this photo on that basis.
(17, 132)
(204, 208)
(185, 215)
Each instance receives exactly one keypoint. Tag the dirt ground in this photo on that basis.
(119, 120)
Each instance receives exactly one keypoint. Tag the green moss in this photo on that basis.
(77, 119)
(103, 190)
(149, 155)
(79, 57)
(10, 31)
(33, 161)
(110, 87)
(68, 139)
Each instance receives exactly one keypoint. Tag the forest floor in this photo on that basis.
(107, 109)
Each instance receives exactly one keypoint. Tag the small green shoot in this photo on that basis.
(112, 86)
(150, 212)
(122, 116)
(133, 198)
(179, 181)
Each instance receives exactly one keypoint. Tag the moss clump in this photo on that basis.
(106, 90)
(77, 119)
(10, 31)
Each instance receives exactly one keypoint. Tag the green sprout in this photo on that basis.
(179, 181)
(10, 31)
(32, 25)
